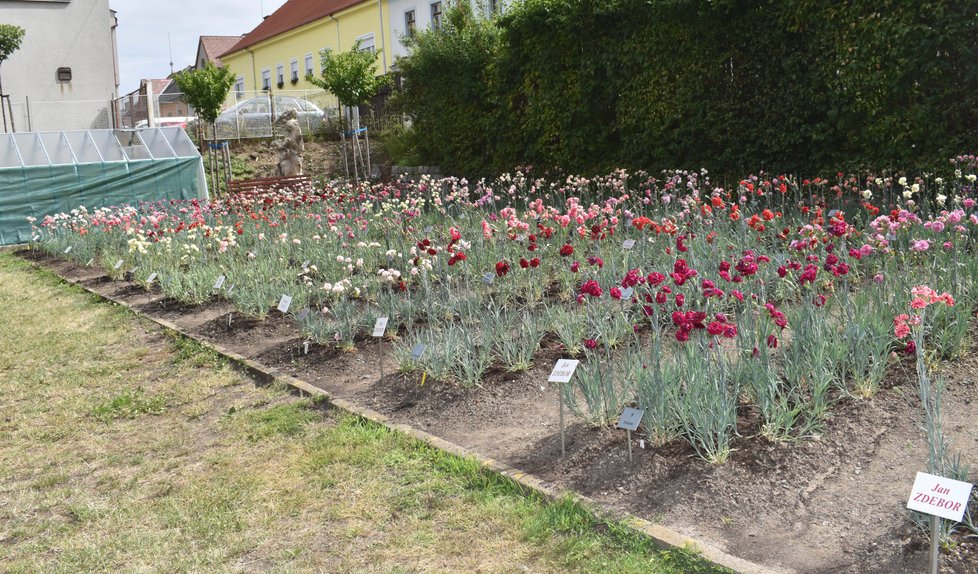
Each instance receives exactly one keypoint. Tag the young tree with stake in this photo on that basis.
(351, 76)
(205, 90)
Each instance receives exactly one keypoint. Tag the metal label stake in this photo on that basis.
(941, 497)
(629, 420)
(561, 374)
(379, 328)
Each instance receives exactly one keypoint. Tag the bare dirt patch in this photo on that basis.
(831, 503)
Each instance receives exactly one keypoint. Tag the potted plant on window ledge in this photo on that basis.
(281, 85)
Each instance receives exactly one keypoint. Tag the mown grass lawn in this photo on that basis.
(125, 450)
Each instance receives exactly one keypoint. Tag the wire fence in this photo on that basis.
(43, 116)
(245, 114)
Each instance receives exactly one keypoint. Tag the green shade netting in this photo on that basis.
(49, 173)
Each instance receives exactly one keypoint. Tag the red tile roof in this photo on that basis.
(158, 85)
(289, 16)
(214, 46)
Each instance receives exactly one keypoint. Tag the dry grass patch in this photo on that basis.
(123, 450)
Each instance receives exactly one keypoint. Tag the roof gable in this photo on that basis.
(211, 48)
(289, 16)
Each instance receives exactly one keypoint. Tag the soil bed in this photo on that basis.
(831, 503)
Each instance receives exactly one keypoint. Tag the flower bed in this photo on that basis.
(759, 310)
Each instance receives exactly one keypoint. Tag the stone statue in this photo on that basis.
(289, 147)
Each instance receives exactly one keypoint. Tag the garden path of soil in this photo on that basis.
(834, 503)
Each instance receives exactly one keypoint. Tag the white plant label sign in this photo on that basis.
(418, 351)
(118, 264)
(151, 278)
(380, 326)
(628, 244)
(939, 496)
(220, 282)
(563, 371)
(68, 250)
(626, 293)
(283, 304)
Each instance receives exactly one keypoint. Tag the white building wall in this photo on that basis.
(76, 34)
(422, 15)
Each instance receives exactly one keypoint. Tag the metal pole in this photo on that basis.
(563, 447)
(629, 445)
(3, 111)
(366, 135)
(27, 103)
(935, 543)
(10, 107)
(380, 349)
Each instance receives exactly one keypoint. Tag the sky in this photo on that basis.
(144, 49)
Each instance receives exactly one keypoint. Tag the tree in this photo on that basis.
(206, 89)
(10, 38)
(352, 77)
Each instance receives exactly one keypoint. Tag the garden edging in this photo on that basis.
(663, 537)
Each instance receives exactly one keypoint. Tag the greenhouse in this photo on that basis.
(43, 173)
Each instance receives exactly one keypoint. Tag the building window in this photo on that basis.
(366, 43)
(266, 79)
(435, 15)
(280, 74)
(308, 63)
(494, 6)
(239, 86)
(409, 23)
(294, 70)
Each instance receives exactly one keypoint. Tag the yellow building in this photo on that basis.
(284, 48)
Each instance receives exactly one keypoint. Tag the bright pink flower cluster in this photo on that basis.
(924, 296)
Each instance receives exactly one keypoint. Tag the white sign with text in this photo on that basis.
(380, 326)
(284, 303)
(563, 371)
(939, 496)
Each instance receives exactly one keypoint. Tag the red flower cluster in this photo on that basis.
(779, 318)
(710, 289)
(641, 222)
(808, 274)
(591, 287)
(424, 246)
(687, 322)
(721, 327)
(566, 250)
(681, 272)
(502, 268)
(632, 278)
